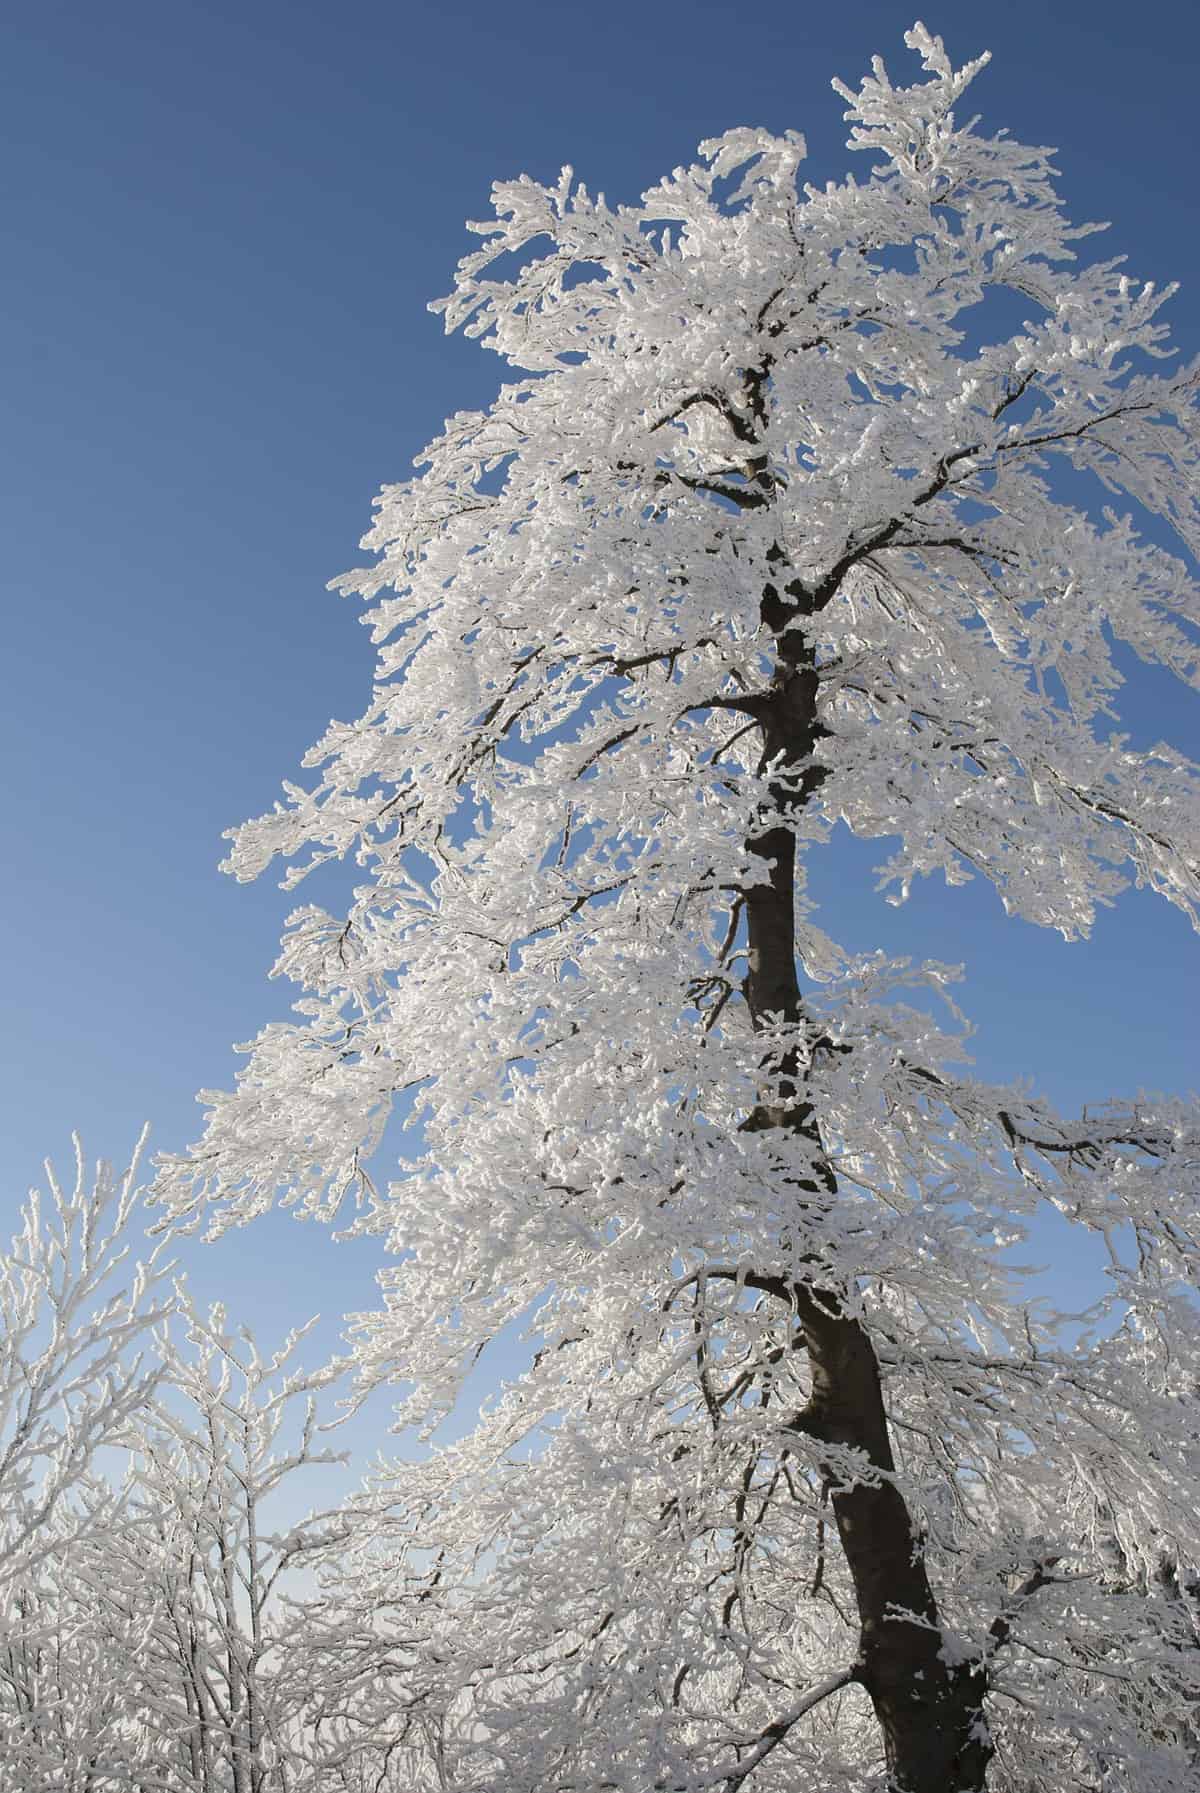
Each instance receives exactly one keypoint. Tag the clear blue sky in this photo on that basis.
(224, 221)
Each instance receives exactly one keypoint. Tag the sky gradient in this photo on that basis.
(225, 221)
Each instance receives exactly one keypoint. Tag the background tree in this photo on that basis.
(76, 1316)
(72, 1649)
(161, 1648)
(221, 1674)
(780, 524)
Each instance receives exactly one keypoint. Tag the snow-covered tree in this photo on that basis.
(770, 531)
(77, 1365)
(217, 1460)
(72, 1643)
(162, 1649)
(76, 1311)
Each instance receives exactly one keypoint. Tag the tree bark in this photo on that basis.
(930, 1712)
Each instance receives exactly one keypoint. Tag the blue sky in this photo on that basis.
(224, 222)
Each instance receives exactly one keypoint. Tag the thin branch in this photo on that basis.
(770, 1739)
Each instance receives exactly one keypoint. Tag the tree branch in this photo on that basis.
(772, 1737)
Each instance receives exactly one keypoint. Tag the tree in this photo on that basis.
(71, 1375)
(770, 531)
(76, 1318)
(163, 1650)
(223, 1679)
(71, 1649)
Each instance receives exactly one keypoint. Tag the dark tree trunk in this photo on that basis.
(930, 1713)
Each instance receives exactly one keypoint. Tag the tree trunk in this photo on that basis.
(930, 1713)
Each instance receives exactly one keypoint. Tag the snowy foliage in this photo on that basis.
(768, 532)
